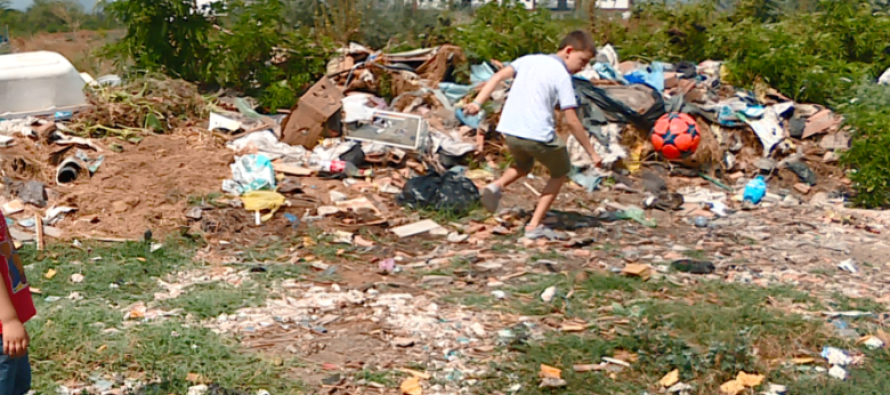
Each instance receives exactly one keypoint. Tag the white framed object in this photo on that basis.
(393, 129)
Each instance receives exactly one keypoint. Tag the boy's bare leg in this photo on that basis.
(548, 196)
(510, 176)
(491, 194)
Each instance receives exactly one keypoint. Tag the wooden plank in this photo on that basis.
(19, 235)
(292, 170)
(415, 228)
(38, 224)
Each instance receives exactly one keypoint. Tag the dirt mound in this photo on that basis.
(147, 186)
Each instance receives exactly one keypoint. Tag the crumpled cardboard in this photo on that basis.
(308, 119)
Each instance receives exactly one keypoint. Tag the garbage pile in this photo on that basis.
(375, 112)
(392, 124)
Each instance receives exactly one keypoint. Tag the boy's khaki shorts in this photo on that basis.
(552, 155)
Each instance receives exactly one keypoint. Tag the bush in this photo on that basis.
(251, 48)
(506, 32)
(868, 113)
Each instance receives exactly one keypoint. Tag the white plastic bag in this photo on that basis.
(250, 173)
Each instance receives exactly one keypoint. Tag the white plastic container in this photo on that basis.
(34, 82)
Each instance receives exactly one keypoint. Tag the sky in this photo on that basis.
(24, 4)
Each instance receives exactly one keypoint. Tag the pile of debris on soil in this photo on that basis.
(383, 125)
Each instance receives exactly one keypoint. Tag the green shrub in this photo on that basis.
(254, 50)
(868, 113)
(506, 32)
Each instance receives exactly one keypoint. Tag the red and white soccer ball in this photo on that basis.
(676, 136)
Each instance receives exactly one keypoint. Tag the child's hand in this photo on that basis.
(472, 108)
(597, 160)
(15, 338)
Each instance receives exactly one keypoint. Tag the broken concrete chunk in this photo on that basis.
(195, 213)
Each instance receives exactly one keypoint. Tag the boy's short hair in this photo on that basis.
(580, 40)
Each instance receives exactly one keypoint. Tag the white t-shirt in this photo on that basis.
(541, 82)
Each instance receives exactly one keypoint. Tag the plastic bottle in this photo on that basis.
(338, 166)
(755, 190)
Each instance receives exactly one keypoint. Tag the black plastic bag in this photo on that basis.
(449, 192)
(355, 155)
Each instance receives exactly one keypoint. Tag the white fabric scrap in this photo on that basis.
(356, 108)
(768, 128)
(450, 145)
(331, 149)
(267, 144)
(17, 127)
(610, 153)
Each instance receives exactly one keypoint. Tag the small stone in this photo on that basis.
(456, 238)
(478, 329)
(500, 230)
(838, 372)
(765, 164)
(802, 188)
(819, 199)
(195, 213)
(403, 342)
(198, 390)
(548, 294)
(120, 206)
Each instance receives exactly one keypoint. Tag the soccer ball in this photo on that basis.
(675, 135)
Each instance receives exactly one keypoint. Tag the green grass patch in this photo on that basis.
(389, 378)
(205, 301)
(709, 331)
(70, 342)
(126, 272)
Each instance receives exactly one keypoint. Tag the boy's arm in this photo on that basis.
(581, 134)
(489, 87)
(15, 338)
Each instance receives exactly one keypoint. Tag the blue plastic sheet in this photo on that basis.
(606, 71)
(481, 73)
(454, 92)
(652, 75)
(589, 181)
(472, 121)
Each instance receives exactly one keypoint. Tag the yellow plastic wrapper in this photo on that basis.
(636, 153)
(263, 200)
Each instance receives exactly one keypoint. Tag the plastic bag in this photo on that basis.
(263, 200)
(250, 173)
(637, 214)
(449, 192)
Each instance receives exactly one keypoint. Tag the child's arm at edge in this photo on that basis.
(15, 337)
(577, 129)
(485, 94)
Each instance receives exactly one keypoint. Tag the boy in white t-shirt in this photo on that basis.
(540, 83)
